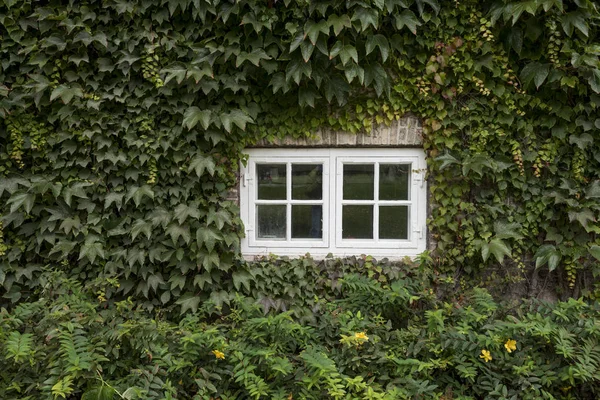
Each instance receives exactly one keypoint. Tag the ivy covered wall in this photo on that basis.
(123, 124)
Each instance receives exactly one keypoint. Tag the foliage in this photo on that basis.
(68, 345)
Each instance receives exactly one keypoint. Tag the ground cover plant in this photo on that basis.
(123, 124)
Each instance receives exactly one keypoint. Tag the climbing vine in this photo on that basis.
(124, 123)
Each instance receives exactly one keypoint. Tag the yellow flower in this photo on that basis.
(219, 354)
(485, 355)
(510, 345)
(361, 335)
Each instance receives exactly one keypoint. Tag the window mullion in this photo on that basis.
(375, 206)
(288, 195)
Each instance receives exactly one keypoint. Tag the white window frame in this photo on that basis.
(332, 242)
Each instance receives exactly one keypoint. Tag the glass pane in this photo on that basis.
(393, 181)
(358, 181)
(270, 221)
(393, 222)
(271, 181)
(357, 222)
(307, 221)
(307, 181)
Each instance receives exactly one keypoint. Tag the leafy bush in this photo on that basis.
(68, 344)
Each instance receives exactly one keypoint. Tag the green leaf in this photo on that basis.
(447, 159)
(535, 72)
(306, 49)
(103, 392)
(176, 71)
(114, 197)
(187, 302)
(138, 193)
(582, 141)
(27, 200)
(183, 211)
(409, 19)
(176, 231)
(207, 237)
(593, 190)
(499, 249)
(339, 23)
(66, 93)
(202, 163)
(193, 115)
(367, 17)
(378, 41)
(505, 230)
(547, 254)
(583, 217)
(574, 19)
(141, 226)
(306, 97)
(91, 249)
(237, 117)
(219, 218)
(595, 251)
(240, 278)
(348, 52)
(254, 57)
(312, 30)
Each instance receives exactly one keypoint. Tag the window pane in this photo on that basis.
(270, 221)
(393, 181)
(358, 181)
(271, 181)
(393, 222)
(307, 181)
(307, 221)
(357, 222)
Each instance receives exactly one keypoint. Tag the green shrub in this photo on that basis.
(70, 344)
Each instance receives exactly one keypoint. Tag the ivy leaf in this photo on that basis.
(177, 72)
(219, 218)
(176, 231)
(312, 30)
(103, 392)
(306, 97)
(114, 197)
(298, 39)
(593, 190)
(27, 200)
(574, 19)
(535, 72)
(92, 249)
(447, 159)
(496, 247)
(378, 41)
(409, 19)
(141, 226)
(193, 115)
(187, 302)
(583, 217)
(207, 237)
(505, 230)
(66, 93)
(306, 49)
(595, 251)
(183, 211)
(254, 57)
(547, 254)
(352, 71)
(137, 194)
(201, 163)
(240, 278)
(366, 17)
(348, 52)
(296, 69)
(582, 141)
(432, 3)
(339, 22)
(278, 82)
(237, 117)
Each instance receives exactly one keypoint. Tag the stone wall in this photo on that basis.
(406, 132)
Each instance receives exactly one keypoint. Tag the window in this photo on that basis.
(341, 201)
